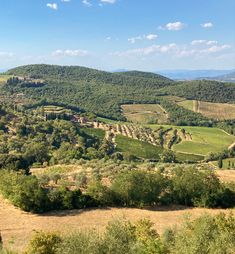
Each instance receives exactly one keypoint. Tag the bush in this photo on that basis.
(44, 243)
(137, 188)
(205, 235)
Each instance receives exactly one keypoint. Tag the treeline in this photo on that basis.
(184, 117)
(204, 90)
(206, 234)
(88, 75)
(134, 188)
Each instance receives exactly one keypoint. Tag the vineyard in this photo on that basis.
(217, 111)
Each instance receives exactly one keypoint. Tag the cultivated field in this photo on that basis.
(203, 140)
(138, 148)
(218, 111)
(145, 113)
(17, 227)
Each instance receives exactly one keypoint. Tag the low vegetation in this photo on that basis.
(122, 236)
(145, 113)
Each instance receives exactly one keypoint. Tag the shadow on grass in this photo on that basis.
(75, 212)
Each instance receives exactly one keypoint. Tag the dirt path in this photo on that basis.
(17, 227)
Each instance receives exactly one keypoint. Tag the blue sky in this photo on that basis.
(146, 35)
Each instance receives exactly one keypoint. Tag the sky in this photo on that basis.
(146, 35)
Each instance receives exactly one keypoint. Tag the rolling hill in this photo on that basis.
(103, 93)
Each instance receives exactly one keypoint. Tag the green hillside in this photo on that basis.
(142, 74)
(103, 93)
(205, 90)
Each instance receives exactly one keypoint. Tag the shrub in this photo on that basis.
(137, 188)
(205, 235)
(44, 243)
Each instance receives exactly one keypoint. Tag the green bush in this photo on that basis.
(205, 235)
(138, 188)
(44, 243)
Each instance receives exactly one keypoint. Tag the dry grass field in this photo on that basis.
(226, 175)
(145, 113)
(4, 78)
(17, 227)
(219, 111)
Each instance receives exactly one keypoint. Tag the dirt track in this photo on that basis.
(17, 227)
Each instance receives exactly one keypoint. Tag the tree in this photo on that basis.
(168, 156)
(137, 187)
(220, 163)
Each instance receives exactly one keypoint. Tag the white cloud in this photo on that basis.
(174, 26)
(108, 38)
(212, 42)
(53, 6)
(70, 53)
(178, 51)
(65, 1)
(151, 37)
(196, 42)
(87, 3)
(215, 49)
(134, 39)
(108, 1)
(147, 50)
(6, 54)
(205, 42)
(207, 25)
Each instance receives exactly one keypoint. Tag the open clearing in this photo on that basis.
(4, 78)
(17, 227)
(218, 111)
(145, 113)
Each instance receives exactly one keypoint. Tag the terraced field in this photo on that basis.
(145, 113)
(138, 148)
(218, 111)
(203, 140)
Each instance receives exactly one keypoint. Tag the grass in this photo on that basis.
(17, 227)
(95, 132)
(204, 140)
(137, 148)
(4, 78)
(188, 104)
(218, 111)
(184, 157)
(144, 113)
(227, 163)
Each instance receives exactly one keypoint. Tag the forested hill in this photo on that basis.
(205, 90)
(77, 73)
(142, 74)
(103, 93)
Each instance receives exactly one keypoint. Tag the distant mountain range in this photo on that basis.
(194, 74)
(227, 77)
